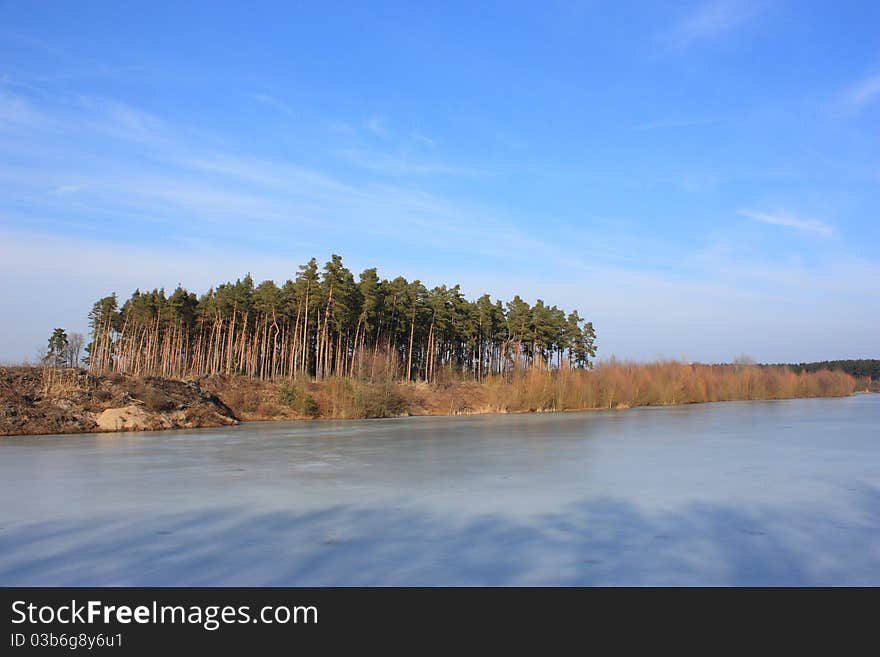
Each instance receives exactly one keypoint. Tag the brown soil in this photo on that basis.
(255, 400)
(45, 401)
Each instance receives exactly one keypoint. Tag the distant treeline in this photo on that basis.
(325, 323)
(862, 367)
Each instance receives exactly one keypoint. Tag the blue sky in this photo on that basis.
(701, 179)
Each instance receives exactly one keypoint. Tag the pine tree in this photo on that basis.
(323, 323)
(56, 353)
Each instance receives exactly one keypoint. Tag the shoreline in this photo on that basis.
(276, 420)
(240, 422)
(45, 402)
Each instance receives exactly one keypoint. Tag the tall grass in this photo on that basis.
(57, 382)
(356, 398)
(376, 391)
(620, 384)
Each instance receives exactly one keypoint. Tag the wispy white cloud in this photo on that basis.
(698, 181)
(861, 93)
(789, 221)
(121, 120)
(169, 176)
(376, 125)
(423, 139)
(275, 103)
(31, 42)
(710, 19)
(15, 82)
(16, 110)
(260, 171)
(62, 190)
(341, 127)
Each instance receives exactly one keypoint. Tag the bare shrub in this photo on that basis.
(60, 382)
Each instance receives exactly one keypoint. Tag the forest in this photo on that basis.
(324, 323)
(860, 368)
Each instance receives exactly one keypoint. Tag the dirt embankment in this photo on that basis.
(46, 401)
(337, 398)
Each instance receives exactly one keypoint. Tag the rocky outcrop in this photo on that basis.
(137, 418)
(46, 401)
(130, 418)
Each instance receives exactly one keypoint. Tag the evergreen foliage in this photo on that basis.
(325, 323)
(57, 354)
(863, 367)
(300, 401)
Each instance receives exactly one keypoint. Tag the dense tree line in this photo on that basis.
(323, 322)
(862, 367)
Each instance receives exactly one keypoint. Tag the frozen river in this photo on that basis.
(781, 492)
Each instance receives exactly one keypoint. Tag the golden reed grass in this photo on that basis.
(611, 384)
(619, 384)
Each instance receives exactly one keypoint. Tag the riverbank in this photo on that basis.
(49, 401)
